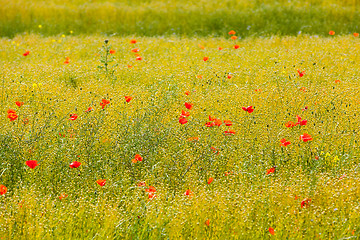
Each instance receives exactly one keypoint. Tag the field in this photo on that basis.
(179, 129)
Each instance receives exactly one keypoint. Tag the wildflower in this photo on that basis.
(229, 76)
(26, 53)
(104, 102)
(25, 121)
(19, 104)
(301, 74)
(215, 150)
(189, 105)
(257, 90)
(75, 164)
(270, 170)
(337, 81)
(228, 123)
(128, 98)
(188, 193)
(205, 59)
(332, 33)
(184, 114)
(129, 66)
(193, 139)
(31, 164)
(356, 34)
(210, 124)
(112, 51)
(3, 189)
(271, 231)
(233, 37)
(201, 46)
(217, 122)
(138, 58)
(151, 189)
(182, 120)
(207, 222)
(211, 118)
(236, 46)
(199, 76)
(284, 142)
(67, 60)
(135, 50)
(220, 48)
(73, 117)
(137, 158)
(89, 110)
(210, 180)
(187, 93)
(101, 182)
(249, 109)
(229, 132)
(133, 41)
(152, 195)
(141, 184)
(305, 202)
(305, 137)
(12, 116)
(290, 124)
(301, 122)
(232, 32)
(63, 195)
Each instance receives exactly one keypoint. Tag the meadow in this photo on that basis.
(268, 148)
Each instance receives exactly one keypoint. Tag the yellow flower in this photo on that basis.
(40, 26)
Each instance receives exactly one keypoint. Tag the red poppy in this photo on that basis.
(128, 98)
(199, 76)
(301, 74)
(26, 53)
(75, 164)
(305, 203)
(229, 76)
(11, 111)
(151, 190)
(211, 118)
(138, 58)
(271, 231)
(104, 102)
(101, 182)
(236, 46)
(217, 122)
(189, 105)
(137, 158)
(228, 123)
(270, 170)
(182, 120)
(210, 180)
(290, 124)
(73, 117)
(63, 195)
(184, 114)
(67, 60)
(152, 195)
(25, 121)
(230, 132)
(3, 189)
(188, 192)
(135, 50)
(112, 51)
(205, 59)
(233, 37)
(210, 124)
(257, 90)
(249, 109)
(133, 41)
(89, 109)
(193, 139)
(187, 93)
(337, 81)
(301, 122)
(332, 33)
(207, 222)
(19, 104)
(201, 46)
(215, 150)
(232, 32)
(284, 142)
(31, 164)
(220, 48)
(356, 34)
(130, 66)
(305, 137)
(12, 116)
(142, 184)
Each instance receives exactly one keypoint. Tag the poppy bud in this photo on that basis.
(106, 41)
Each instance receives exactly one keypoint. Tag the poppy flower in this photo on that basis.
(137, 158)
(270, 170)
(182, 120)
(301, 122)
(290, 124)
(210, 180)
(67, 60)
(229, 76)
(101, 182)
(19, 104)
(31, 164)
(133, 41)
(128, 98)
(228, 123)
(257, 90)
(236, 46)
(199, 76)
(301, 74)
(207, 222)
(75, 164)
(187, 93)
(112, 51)
(138, 58)
(189, 105)
(193, 139)
(151, 189)
(188, 192)
(249, 109)
(184, 114)
(129, 66)
(228, 173)
(25, 121)
(26, 53)
(305, 203)
(12, 116)
(271, 231)
(73, 117)
(233, 37)
(210, 124)
(230, 132)
(356, 34)
(337, 81)
(141, 184)
(332, 33)
(152, 195)
(232, 32)
(11, 111)
(3, 189)
(217, 122)
(89, 109)
(305, 137)
(284, 142)
(63, 195)
(205, 59)
(215, 150)
(220, 48)
(201, 46)
(104, 102)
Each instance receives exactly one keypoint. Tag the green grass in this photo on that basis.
(182, 18)
(241, 205)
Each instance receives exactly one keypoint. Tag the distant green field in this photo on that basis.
(193, 180)
(179, 17)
